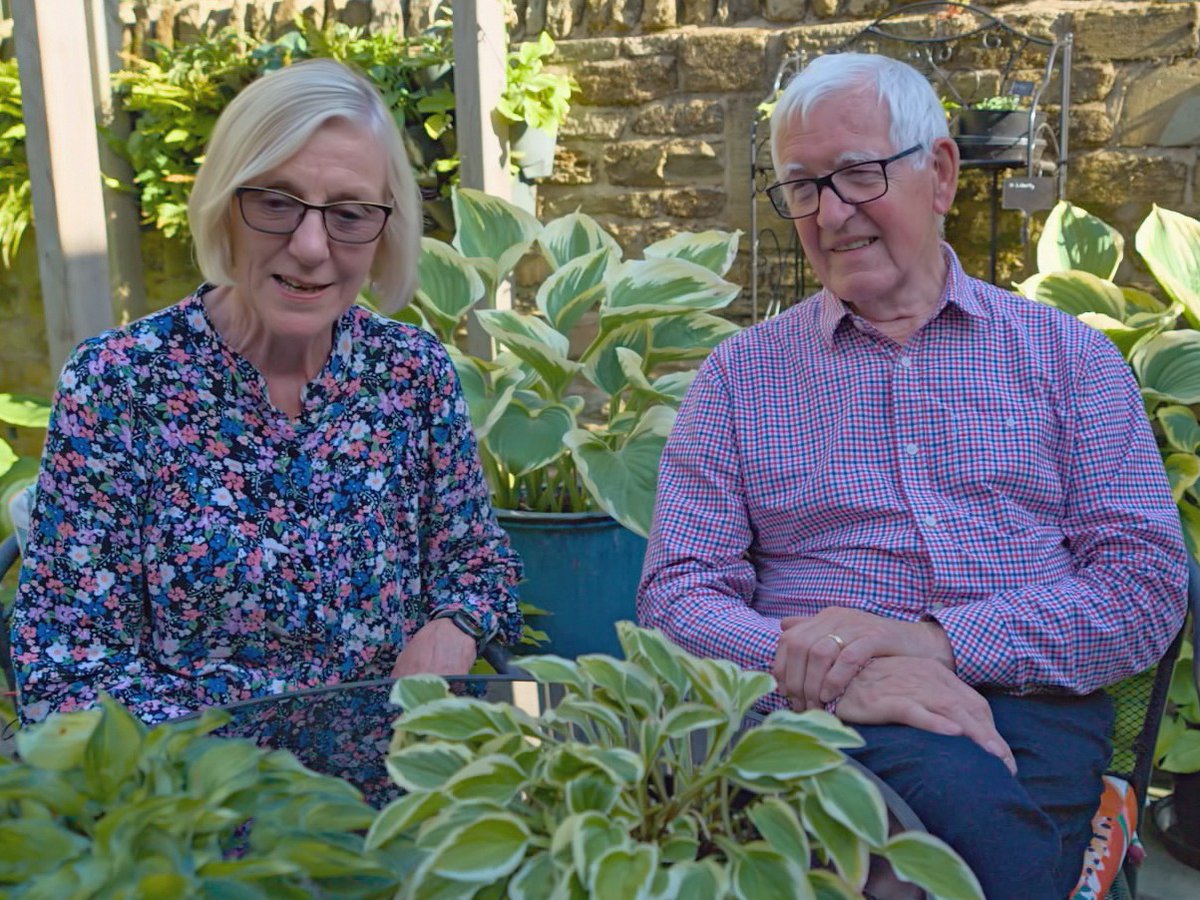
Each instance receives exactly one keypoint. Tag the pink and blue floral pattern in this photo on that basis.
(192, 546)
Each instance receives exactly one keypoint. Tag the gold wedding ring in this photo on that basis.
(837, 640)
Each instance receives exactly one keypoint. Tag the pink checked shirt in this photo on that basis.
(996, 473)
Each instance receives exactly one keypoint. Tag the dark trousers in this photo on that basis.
(1023, 837)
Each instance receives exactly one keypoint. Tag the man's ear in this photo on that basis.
(945, 173)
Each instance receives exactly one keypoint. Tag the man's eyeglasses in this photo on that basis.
(856, 183)
(277, 212)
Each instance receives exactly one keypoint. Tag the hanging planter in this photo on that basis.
(532, 149)
(1000, 135)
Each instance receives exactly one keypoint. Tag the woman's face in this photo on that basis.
(298, 285)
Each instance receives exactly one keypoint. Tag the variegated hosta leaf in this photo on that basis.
(573, 289)
(649, 288)
(927, 862)
(1179, 426)
(7, 457)
(426, 766)
(535, 343)
(417, 690)
(1168, 366)
(1076, 293)
(603, 366)
(59, 742)
(847, 852)
(853, 800)
(702, 878)
(624, 873)
(1137, 300)
(594, 836)
(1075, 239)
(651, 649)
(572, 236)
(403, 814)
(781, 753)
(448, 286)
(819, 724)
(715, 250)
(1170, 244)
(530, 433)
(483, 852)
(624, 679)
(491, 228)
(623, 482)
(535, 880)
(486, 400)
(24, 412)
(779, 824)
(686, 337)
(1182, 471)
(669, 389)
(761, 871)
(1122, 335)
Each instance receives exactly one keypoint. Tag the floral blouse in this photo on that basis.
(191, 545)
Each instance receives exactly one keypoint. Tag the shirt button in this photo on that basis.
(937, 606)
(911, 449)
(906, 362)
(929, 521)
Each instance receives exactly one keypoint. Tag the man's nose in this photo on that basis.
(832, 210)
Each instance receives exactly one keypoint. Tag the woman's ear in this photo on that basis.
(945, 173)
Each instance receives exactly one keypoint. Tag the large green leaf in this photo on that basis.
(536, 879)
(846, 851)
(401, 815)
(574, 289)
(669, 389)
(530, 433)
(928, 862)
(8, 458)
(715, 250)
(59, 741)
(781, 753)
(651, 288)
(1179, 426)
(1168, 366)
(490, 227)
(486, 387)
(535, 342)
(701, 878)
(761, 871)
(1075, 293)
(1183, 469)
(624, 873)
(574, 235)
(428, 765)
(1125, 337)
(624, 481)
(686, 337)
(448, 286)
(779, 824)
(853, 800)
(24, 412)
(1075, 239)
(603, 365)
(1170, 244)
(483, 852)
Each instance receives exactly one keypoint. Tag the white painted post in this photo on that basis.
(480, 53)
(64, 170)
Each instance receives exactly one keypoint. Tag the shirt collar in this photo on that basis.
(958, 290)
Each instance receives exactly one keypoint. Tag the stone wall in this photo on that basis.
(659, 138)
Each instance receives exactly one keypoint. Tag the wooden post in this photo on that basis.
(121, 208)
(480, 61)
(64, 170)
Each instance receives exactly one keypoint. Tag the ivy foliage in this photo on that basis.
(176, 97)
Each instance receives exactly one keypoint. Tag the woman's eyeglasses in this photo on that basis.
(277, 212)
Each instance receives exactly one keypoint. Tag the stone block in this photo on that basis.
(650, 45)
(1091, 126)
(657, 163)
(696, 12)
(586, 49)
(600, 202)
(813, 39)
(732, 12)
(1112, 179)
(681, 117)
(865, 9)
(572, 165)
(695, 203)
(618, 16)
(560, 18)
(793, 10)
(1162, 107)
(724, 60)
(823, 9)
(689, 162)
(1137, 31)
(658, 15)
(591, 123)
(623, 82)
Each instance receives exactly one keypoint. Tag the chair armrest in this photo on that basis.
(501, 659)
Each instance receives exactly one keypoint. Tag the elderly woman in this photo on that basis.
(266, 486)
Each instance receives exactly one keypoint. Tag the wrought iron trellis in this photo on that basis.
(968, 54)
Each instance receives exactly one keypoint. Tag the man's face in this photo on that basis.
(885, 251)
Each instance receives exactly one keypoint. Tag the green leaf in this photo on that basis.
(413, 691)
(59, 742)
(535, 342)
(487, 387)
(448, 286)
(24, 412)
(403, 815)
(624, 873)
(31, 846)
(591, 793)
(686, 337)
(490, 777)
(7, 457)
(845, 850)
(824, 727)
(651, 288)
(530, 433)
(779, 824)
(1168, 366)
(929, 863)
(575, 235)
(714, 250)
(485, 851)
(626, 682)
(624, 481)
(760, 871)
(781, 753)
(1184, 754)
(488, 226)
(1179, 426)
(1075, 239)
(682, 720)
(426, 766)
(549, 669)
(1183, 469)
(828, 885)
(851, 798)
(535, 880)
(650, 648)
(703, 878)
(574, 289)
(1123, 335)
(1075, 293)
(1170, 244)
(462, 719)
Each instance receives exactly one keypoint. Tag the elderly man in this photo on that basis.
(922, 502)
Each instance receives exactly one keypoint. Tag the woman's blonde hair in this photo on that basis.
(267, 124)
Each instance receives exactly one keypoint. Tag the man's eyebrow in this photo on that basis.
(850, 157)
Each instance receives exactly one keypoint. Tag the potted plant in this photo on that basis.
(639, 782)
(1178, 752)
(536, 101)
(570, 443)
(993, 128)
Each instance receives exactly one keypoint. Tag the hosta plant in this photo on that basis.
(639, 782)
(102, 807)
(1078, 256)
(650, 317)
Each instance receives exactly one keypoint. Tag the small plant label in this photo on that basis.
(1028, 193)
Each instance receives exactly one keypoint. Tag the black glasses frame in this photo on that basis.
(826, 181)
(322, 208)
